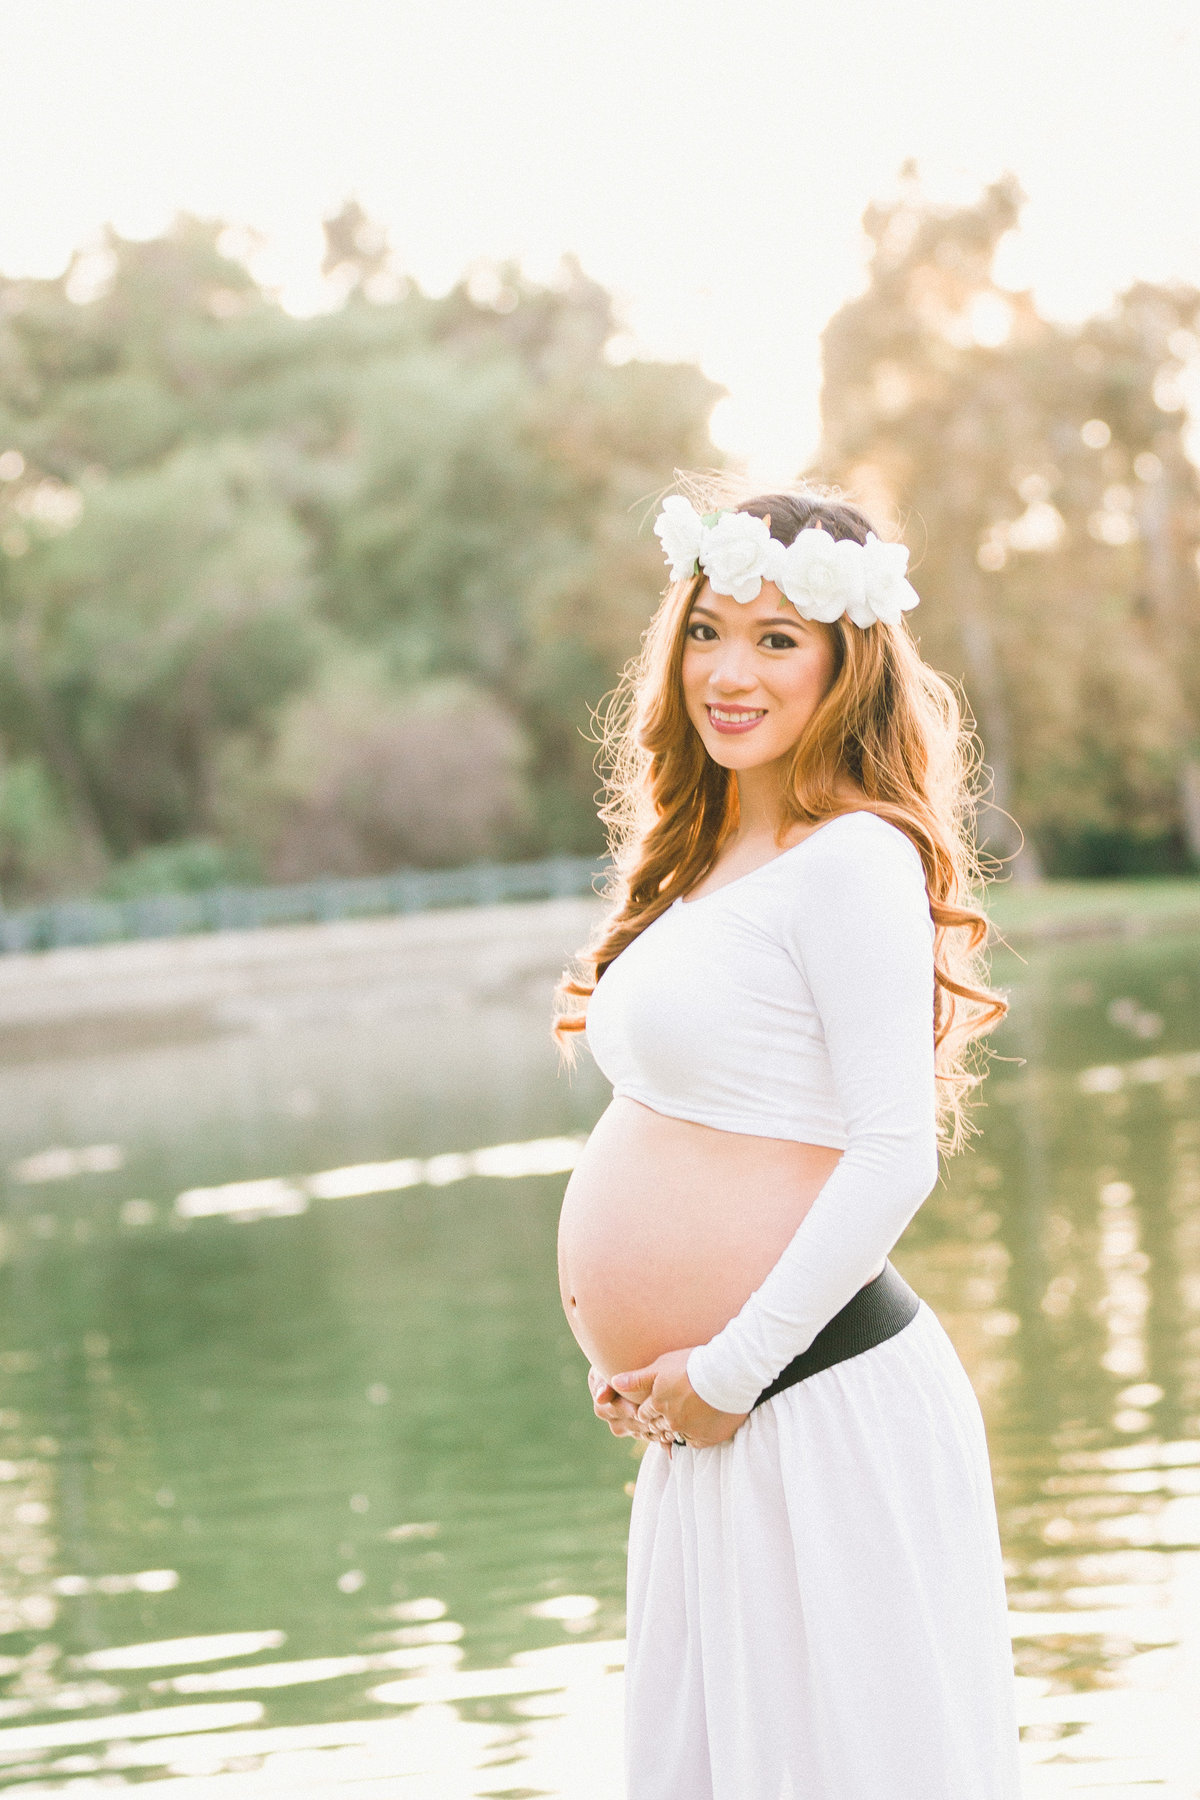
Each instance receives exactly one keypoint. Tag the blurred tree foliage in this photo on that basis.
(282, 597)
(1039, 475)
(287, 596)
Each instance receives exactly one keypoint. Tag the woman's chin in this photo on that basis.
(740, 752)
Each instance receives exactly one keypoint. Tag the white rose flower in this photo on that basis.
(679, 528)
(734, 554)
(887, 593)
(821, 575)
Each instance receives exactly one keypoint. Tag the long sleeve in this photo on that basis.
(862, 938)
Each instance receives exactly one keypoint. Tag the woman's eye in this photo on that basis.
(702, 633)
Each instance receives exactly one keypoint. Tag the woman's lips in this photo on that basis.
(733, 720)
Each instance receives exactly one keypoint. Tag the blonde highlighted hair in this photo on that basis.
(889, 726)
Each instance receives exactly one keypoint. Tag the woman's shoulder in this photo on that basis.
(858, 877)
(857, 842)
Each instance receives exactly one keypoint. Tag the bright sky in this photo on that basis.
(709, 162)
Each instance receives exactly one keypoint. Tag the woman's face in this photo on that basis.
(753, 675)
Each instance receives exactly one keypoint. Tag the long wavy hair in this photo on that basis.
(889, 731)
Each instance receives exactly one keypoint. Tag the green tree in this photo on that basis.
(214, 515)
(172, 612)
(1041, 477)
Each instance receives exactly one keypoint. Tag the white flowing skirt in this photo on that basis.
(816, 1608)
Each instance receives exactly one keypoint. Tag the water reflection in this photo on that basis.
(299, 1486)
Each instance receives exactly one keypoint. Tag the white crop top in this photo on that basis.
(794, 1002)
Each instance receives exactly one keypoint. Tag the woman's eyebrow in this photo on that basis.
(776, 619)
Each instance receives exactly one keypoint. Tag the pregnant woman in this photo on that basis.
(782, 994)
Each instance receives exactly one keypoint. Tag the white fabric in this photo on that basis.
(721, 1010)
(795, 1002)
(816, 1607)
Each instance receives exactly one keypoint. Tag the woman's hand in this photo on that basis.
(619, 1414)
(667, 1403)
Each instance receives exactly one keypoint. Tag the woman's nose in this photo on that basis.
(734, 672)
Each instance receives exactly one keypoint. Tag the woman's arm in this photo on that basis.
(863, 939)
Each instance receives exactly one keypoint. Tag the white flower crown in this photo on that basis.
(821, 575)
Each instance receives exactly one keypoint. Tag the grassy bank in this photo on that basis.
(1075, 909)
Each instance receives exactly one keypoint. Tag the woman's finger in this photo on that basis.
(655, 1424)
(635, 1386)
(622, 1420)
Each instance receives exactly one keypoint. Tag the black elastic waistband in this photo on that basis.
(875, 1314)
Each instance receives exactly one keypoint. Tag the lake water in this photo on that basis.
(299, 1483)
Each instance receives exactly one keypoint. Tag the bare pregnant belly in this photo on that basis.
(668, 1227)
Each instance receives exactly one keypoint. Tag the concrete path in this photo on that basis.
(164, 989)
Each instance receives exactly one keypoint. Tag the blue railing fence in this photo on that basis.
(75, 922)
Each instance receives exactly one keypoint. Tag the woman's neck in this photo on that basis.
(762, 815)
(761, 812)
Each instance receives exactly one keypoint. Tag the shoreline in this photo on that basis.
(1066, 911)
(138, 993)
